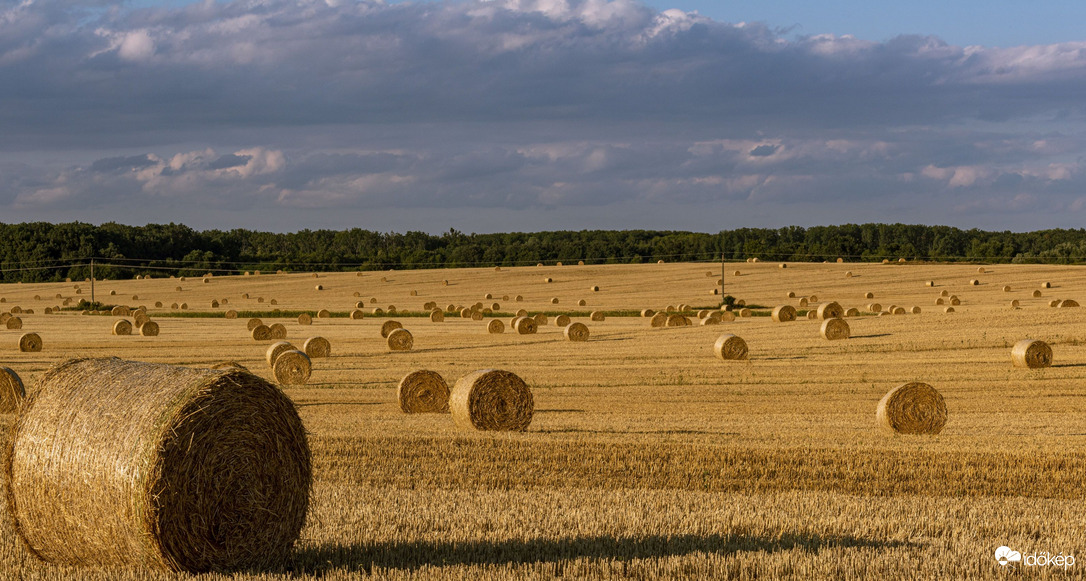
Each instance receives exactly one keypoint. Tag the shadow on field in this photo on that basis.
(871, 336)
(664, 432)
(419, 554)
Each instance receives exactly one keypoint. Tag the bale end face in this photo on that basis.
(912, 408)
(423, 391)
(1031, 354)
(730, 348)
(492, 399)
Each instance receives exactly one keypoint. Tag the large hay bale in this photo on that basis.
(495, 327)
(730, 348)
(974, 282)
(784, 314)
(658, 320)
(275, 350)
(944, 293)
(561, 320)
(277, 331)
(12, 391)
(292, 367)
(812, 315)
(14, 323)
(148, 329)
(955, 301)
(912, 408)
(676, 320)
(830, 310)
(389, 326)
(423, 392)
(316, 347)
(400, 340)
(437, 316)
(554, 300)
(576, 332)
(597, 316)
(834, 329)
(492, 400)
(1032, 354)
(522, 313)
(948, 310)
(30, 343)
(122, 327)
(261, 333)
(204, 471)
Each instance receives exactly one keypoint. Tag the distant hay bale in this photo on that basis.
(324, 314)
(974, 282)
(356, 315)
(782, 265)
(521, 313)
(915, 310)
(305, 319)
(930, 283)
(745, 313)
(1036, 294)
(540, 319)
(658, 319)
(273, 302)
(554, 301)
(901, 261)
(319, 287)
(275, 350)
(945, 293)
(597, 316)
(791, 294)
(834, 329)
(803, 302)
(813, 298)
(518, 298)
(1006, 289)
(400, 340)
(423, 392)
(784, 314)
(149, 329)
(1054, 302)
(594, 288)
(898, 311)
(948, 310)
(715, 292)
(1015, 303)
(112, 293)
(955, 301)
(30, 343)
(139, 318)
(939, 301)
(710, 321)
(495, 327)
(414, 293)
(703, 313)
(727, 316)
(886, 261)
(378, 311)
(253, 323)
(730, 348)
(437, 316)
(12, 391)
(465, 313)
(561, 320)
(812, 315)
(373, 300)
(647, 313)
(204, 471)
(389, 326)
(122, 327)
(912, 408)
(1046, 285)
(869, 295)
(852, 312)
(277, 330)
(576, 332)
(677, 320)
(48, 310)
(476, 316)
(830, 310)
(736, 273)
(214, 304)
(120, 311)
(548, 279)
(495, 307)
(525, 325)
(260, 299)
(261, 333)
(184, 306)
(1032, 354)
(316, 347)
(244, 295)
(292, 367)
(177, 289)
(1066, 303)
(582, 303)
(848, 274)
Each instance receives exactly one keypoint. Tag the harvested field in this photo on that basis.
(647, 456)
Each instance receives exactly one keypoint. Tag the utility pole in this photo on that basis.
(92, 284)
(721, 280)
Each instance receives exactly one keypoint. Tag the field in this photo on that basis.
(647, 456)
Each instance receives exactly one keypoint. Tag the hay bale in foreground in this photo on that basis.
(576, 332)
(495, 327)
(730, 348)
(30, 343)
(389, 326)
(912, 408)
(423, 392)
(1031, 353)
(292, 367)
(275, 350)
(834, 329)
(316, 347)
(12, 392)
(400, 340)
(492, 400)
(148, 329)
(204, 471)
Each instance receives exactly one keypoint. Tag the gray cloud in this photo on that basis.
(361, 111)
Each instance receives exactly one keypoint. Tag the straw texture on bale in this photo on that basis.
(253, 323)
(730, 347)
(1067, 303)
(231, 314)
(912, 408)
(803, 301)
(229, 365)
(305, 319)
(324, 314)
(1036, 294)
(658, 320)
(597, 316)
(149, 329)
(525, 325)
(275, 350)
(317, 347)
(812, 315)
(522, 313)
(389, 326)
(139, 318)
(576, 332)
(205, 470)
(677, 320)
(277, 331)
(261, 333)
(30, 343)
(784, 314)
(948, 310)
(727, 316)
(745, 313)
(852, 312)
(830, 310)
(492, 400)
(423, 392)
(122, 327)
(436, 316)
(476, 316)
(292, 367)
(561, 320)
(12, 392)
(400, 340)
(495, 327)
(1032, 354)
(14, 323)
(834, 329)
(647, 313)
(540, 319)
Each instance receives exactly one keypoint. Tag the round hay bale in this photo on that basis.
(292, 367)
(373, 300)
(324, 314)
(974, 282)
(912, 408)
(231, 314)
(830, 310)
(647, 313)
(273, 302)
(1053, 303)
(730, 348)
(852, 312)
(548, 279)
(561, 320)
(1046, 285)
(517, 298)
(834, 329)
(400, 340)
(275, 350)
(495, 327)
(582, 303)
(205, 471)
(12, 391)
(1015, 304)
(14, 323)
(813, 298)
(658, 320)
(149, 329)
(948, 310)
(261, 333)
(48, 310)
(521, 313)
(898, 311)
(253, 323)
(244, 295)
(784, 314)
(576, 332)
(727, 316)
(869, 295)
(930, 283)
(30, 343)
(703, 313)
(1032, 354)
(491, 400)
(378, 311)
(812, 315)
(316, 347)
(525, 325)
(597, 316)
(139, 318)
(476, 316)
(939, 301)
(710, 321)
(791, 294)
(782, 265)
(745, 313)
(260, 299)
(112, 293)
(945, 293)
(736, 273)
(437, 316)
(120, 311)
(214, 304)
(356, 315)
(184, 306)
(414, 293)
(305, 319)
(803, 302)
(540, 319)
(554, 301)
(955, 301)
(594, 288)
(158, 304)
(915, 310)
(1036, 294)
(980, 270)
(122, 327)
(278, 331)
(423, 392)
(1006, 289)
(901, 261)
(1067, 303)
(676, 320)
(495, 307)
(465, 313)
(389, 326)
(848, 274)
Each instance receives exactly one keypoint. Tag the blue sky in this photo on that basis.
(497, 115)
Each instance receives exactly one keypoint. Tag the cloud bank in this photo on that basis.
(493, 115)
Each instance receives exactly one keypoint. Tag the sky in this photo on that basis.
(526, 115)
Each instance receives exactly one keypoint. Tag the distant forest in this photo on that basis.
(42, 251)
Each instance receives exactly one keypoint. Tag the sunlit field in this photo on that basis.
(647, 457)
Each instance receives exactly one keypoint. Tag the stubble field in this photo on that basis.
(647, 456)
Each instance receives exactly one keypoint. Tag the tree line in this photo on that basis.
(42, 251)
